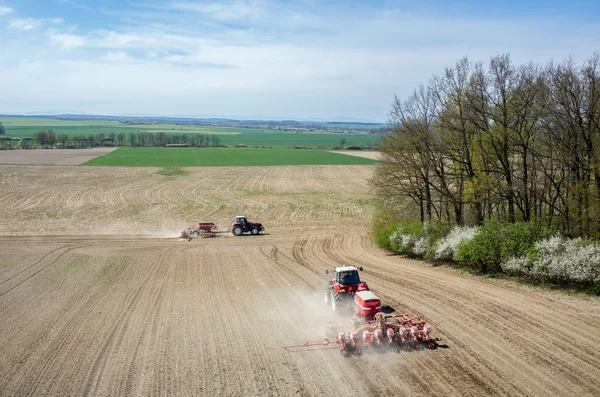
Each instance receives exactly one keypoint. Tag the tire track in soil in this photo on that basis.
(153, 316)
(30, 266)
(11, 288)
(72, 325)
(39, 332)
(117, 334)
(288, 273)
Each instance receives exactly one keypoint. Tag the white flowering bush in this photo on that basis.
(559, 260)
(410, 239)
(421, 246)
(446, 247)
(520, 266)
(396, 241)
(408, 242)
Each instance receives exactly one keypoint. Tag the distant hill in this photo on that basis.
(328, 125)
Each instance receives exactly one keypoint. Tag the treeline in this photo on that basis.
(498, 141)
(49, 139)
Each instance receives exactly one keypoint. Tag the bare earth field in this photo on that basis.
(366, 155)
(51, 156)
(98, 296)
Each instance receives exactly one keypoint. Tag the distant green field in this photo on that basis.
(26, 127)
(198, 157)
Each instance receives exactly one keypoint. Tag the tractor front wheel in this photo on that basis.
(326, 297)
(254, 231)
(237, 231)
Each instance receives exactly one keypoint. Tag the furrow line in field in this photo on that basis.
(77, 315)
(115, 337)
(30, 276)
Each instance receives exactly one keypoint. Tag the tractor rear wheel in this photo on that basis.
(254, 231)
(335, 300)
(237, 231)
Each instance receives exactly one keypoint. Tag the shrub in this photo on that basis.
(446, 247)
(495, 243)
(416, 238)
(381, 236)
(483, 252)
(519, 238)
(520, 266)
(435, 232)
(421, 246)
(404, 239)
(559, 260)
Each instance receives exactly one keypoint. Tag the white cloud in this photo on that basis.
(67, 40)
(25, 23)
(116, 56)
(225, 11)
(113, 39)
(32, 23)
(297, 62)
(5, 11)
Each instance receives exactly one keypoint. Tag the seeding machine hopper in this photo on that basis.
(210, 229)
(371, 330)
(202, 229)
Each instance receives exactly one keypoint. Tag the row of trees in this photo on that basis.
(164, 139)
(134, 139)
(502, 141)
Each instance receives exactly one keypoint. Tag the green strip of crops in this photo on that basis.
(199, 157)
(26, 127)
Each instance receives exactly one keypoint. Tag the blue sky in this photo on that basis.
(264, 58)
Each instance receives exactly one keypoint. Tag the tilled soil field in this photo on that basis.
(99, 297)
(51, 156)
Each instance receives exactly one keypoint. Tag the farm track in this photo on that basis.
(124, 308)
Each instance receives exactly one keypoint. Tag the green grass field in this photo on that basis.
(26, 127)
(198, 157)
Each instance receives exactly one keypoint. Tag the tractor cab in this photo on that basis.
(241, 220)
(340, 290)
(347, 279)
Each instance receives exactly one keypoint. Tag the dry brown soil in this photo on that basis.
(98, 296)
(366, 155)
(51, 156)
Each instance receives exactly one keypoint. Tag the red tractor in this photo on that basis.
(339, 292)
(242, 225)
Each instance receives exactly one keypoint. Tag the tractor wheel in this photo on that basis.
(335, 300)
(254, 231)
(237, 231)
(326, 297)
